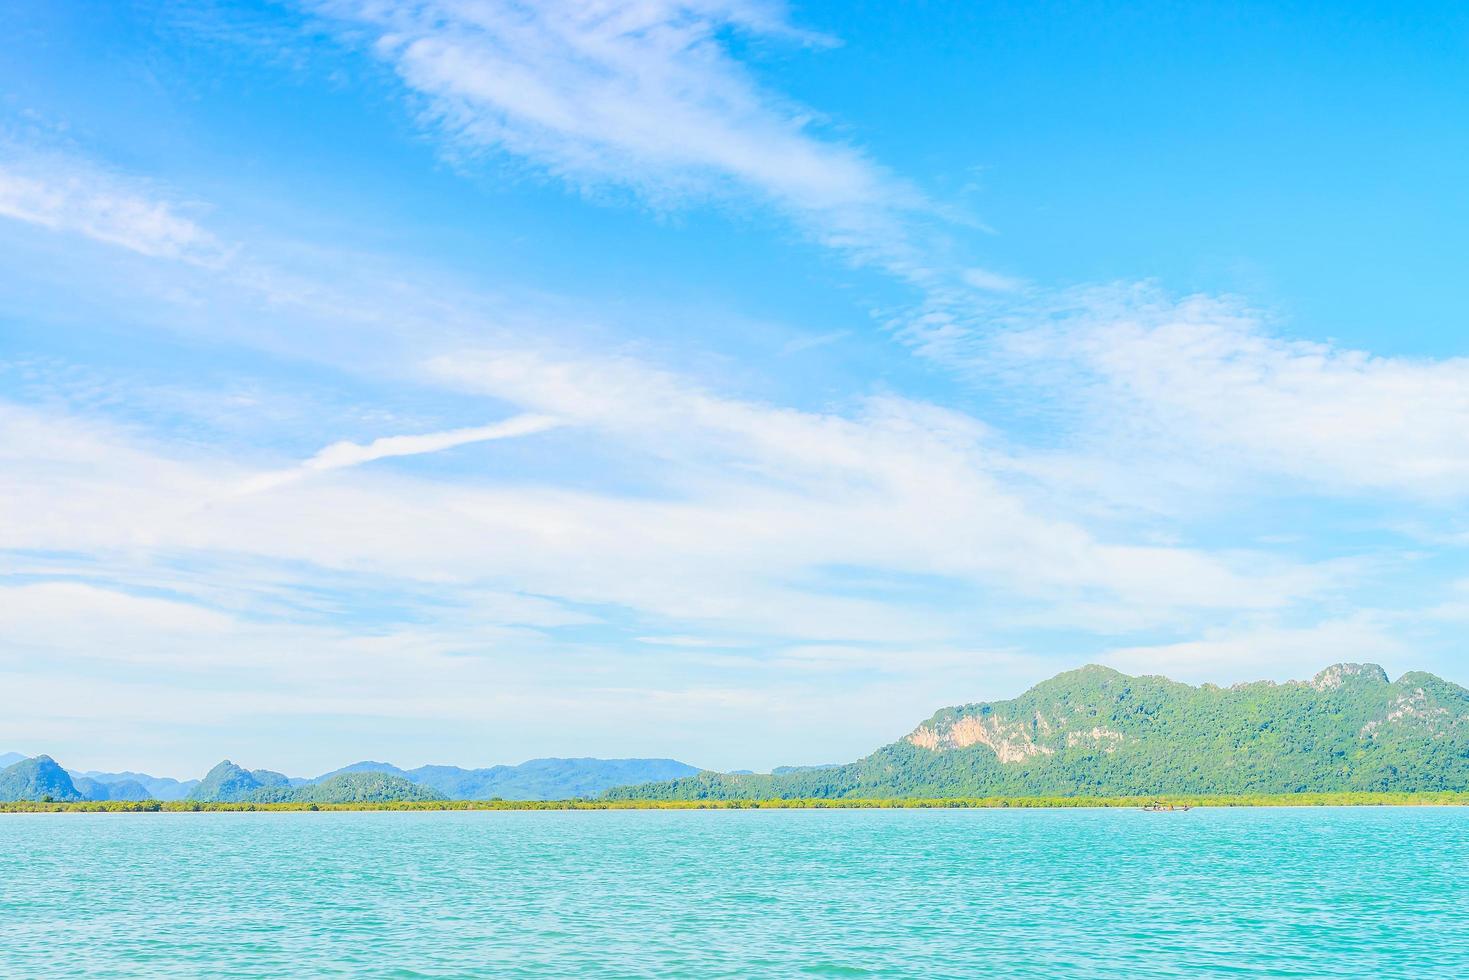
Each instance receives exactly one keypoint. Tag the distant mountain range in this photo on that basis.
(1087, 732)
(350, 787)
(1098, 732)
(538, 779)
(23, 778)
(137, 785)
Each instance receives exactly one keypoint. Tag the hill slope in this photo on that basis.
(120, 789)
(349, 787)
(1095, 731)
(37, 779)
(155, 787)
(229, 783)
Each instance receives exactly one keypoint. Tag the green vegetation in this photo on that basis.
(37, 779)
(891, 803)
(1095, 732)
(121, 789)
(350, 787)
(229, 783)
(134, 786)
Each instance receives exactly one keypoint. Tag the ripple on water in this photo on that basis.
(1311, 892)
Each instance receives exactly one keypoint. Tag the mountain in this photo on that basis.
(349, 787)
(538, 779)
(117, 789)
(361, 767)
(156, 787)
(547, 779)
(37, 779)
(8, 759)
(1098, 732)
(229, 783)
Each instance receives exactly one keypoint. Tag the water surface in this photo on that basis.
(1310, 892)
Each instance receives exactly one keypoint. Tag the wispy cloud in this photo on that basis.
(990, 281)
(1210, 382)
(340, 455)
(651, 96)
(938, 486)
(1268, 651)
(745, 507)
(736, 522)
(62, 194)
(647, 98)
(747, 500)
(641, 95)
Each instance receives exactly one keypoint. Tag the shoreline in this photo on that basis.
(917, 803)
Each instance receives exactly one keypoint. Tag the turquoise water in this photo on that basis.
(1366, 892)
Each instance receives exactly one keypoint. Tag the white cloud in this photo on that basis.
(992, 282)
(62, 194)
(641, 94)
(646, 97)
(749, 505)
(1205, 382)
(343, 454)
(1267, 652)
(691, 642)
(922, 483)
(340, 455)
(651, 96)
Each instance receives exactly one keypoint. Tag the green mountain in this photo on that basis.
(154, 787)
(1097, 732)
(37, 779)
(118, 789)
(365, 766)
(229, 783)
(349, 787)
(538, 779)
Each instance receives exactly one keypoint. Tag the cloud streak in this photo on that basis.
(340, 455)
(63, 195)
(642, 95)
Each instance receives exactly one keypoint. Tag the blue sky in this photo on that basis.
(466, 382)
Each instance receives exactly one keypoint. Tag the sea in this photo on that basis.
(1366, 892)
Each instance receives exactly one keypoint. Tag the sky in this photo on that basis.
(467, 381)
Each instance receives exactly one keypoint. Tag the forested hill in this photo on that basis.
(1098, 732)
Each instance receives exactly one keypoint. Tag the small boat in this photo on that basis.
(1158, 806)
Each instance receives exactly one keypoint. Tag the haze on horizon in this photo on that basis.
(451, 382)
